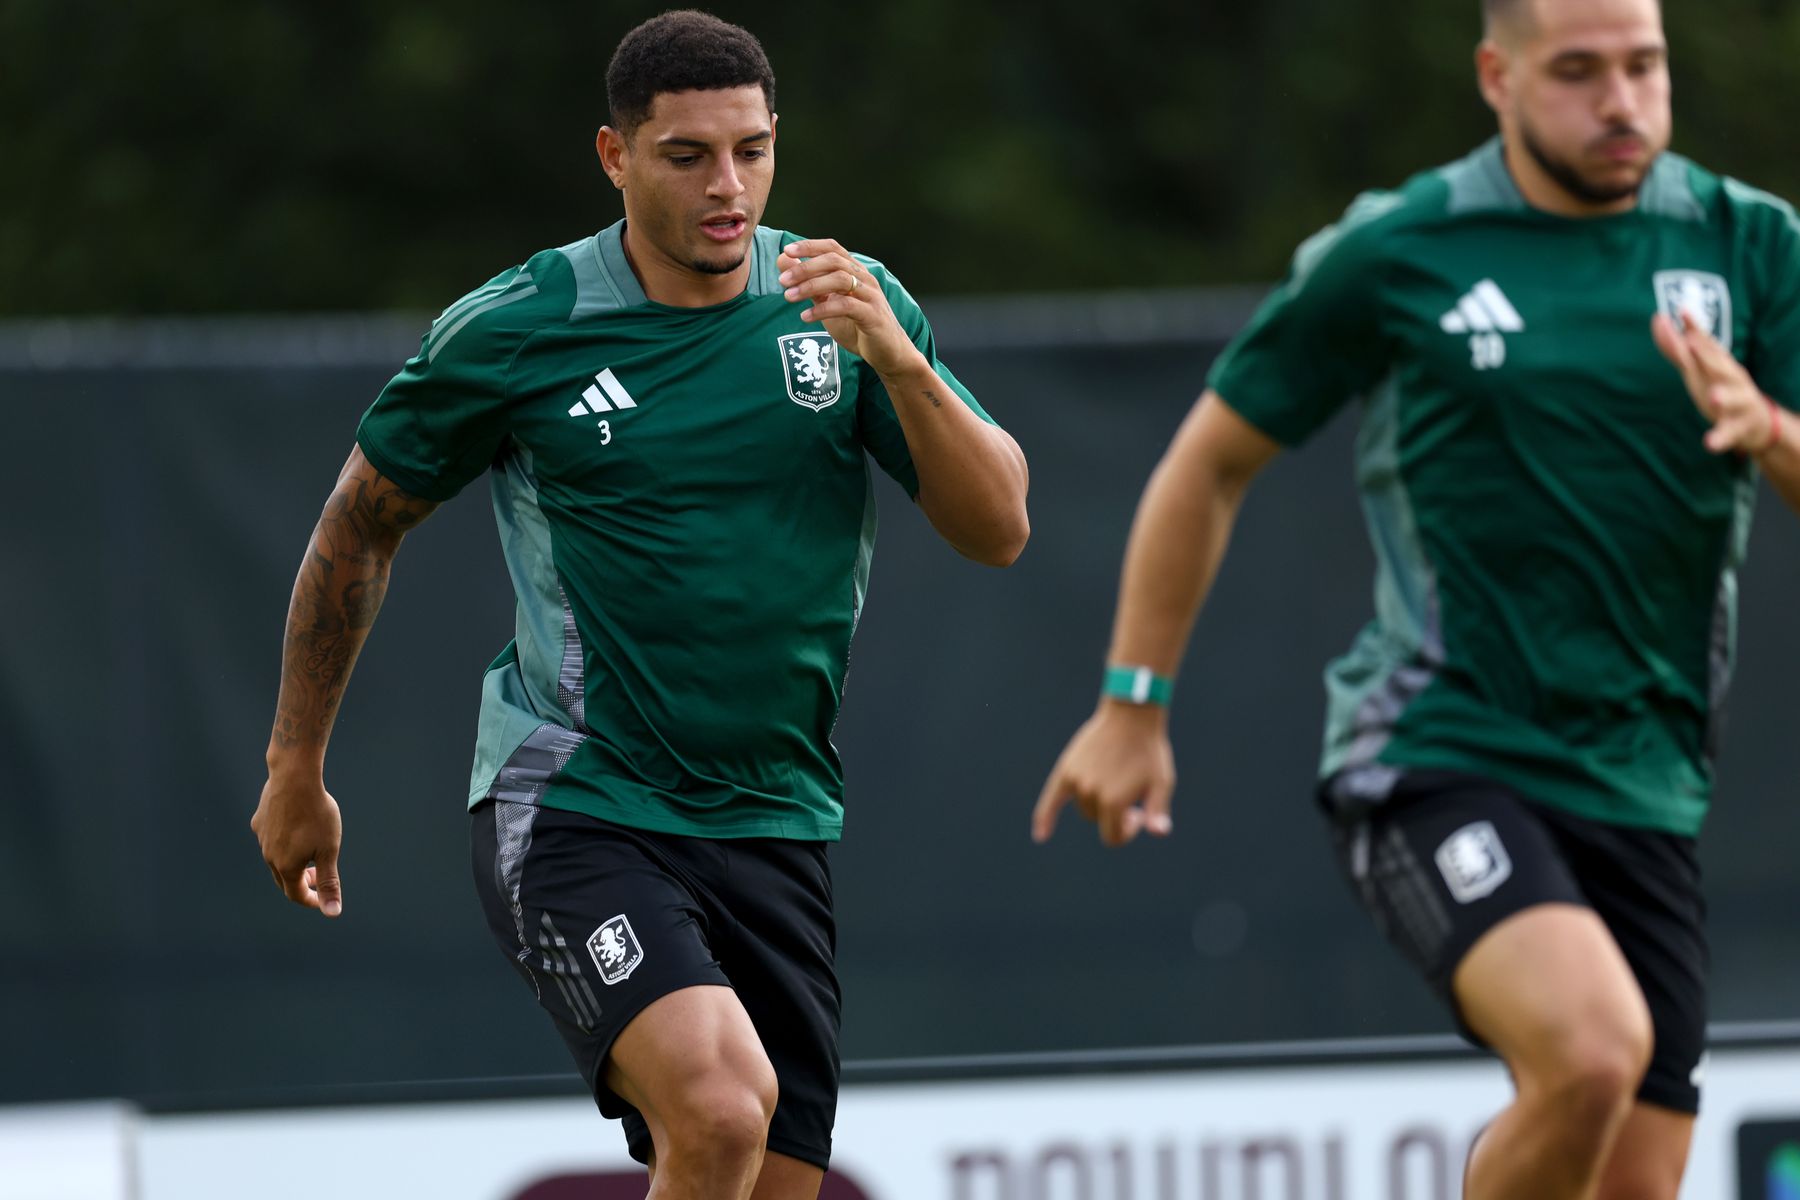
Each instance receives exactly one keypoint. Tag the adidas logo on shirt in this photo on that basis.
(603, 395)
(1484, 313)
(606, 387)
(1483, 309)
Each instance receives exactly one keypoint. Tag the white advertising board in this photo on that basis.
(67, 1152)
(1362, 1132)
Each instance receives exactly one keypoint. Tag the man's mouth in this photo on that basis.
(1621, 147)
(727, 228)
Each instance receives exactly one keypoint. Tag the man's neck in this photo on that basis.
(678, 285)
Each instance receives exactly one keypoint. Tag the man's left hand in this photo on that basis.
(1743, 418)
(848, 299)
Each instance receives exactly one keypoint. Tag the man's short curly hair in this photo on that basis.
(683, 50)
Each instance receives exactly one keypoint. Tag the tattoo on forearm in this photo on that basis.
(933, 397)
(340, 588)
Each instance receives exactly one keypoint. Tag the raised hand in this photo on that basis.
(1743, 418)
(849, 300)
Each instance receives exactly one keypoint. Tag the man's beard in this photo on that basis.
(713, 268)
(1572, 180)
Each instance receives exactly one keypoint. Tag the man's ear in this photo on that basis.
(1492, 62)
(612, 147)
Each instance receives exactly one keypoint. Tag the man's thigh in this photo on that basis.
(1451, 856)
(1645, 885)
(753, 914)
(1447, 858)
(780, 956)
(597, 918)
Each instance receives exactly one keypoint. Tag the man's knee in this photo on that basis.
(691, 1063)
(1593, 1068)
(723, 1115)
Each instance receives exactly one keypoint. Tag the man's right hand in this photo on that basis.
(299, 829)
(1119, 772)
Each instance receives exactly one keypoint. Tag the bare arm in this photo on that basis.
(337, 593)
(1118, 769)
(972, 476)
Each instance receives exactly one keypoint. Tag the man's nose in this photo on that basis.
(725, 182)
(1619, 102)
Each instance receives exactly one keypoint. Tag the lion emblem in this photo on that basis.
(612, 948)
(615, 949)
(812, 361)
(809, 364)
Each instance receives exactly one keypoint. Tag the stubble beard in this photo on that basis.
(717, 268)
(1568, 177)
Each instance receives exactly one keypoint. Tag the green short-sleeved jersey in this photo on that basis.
(1555, 596)
(687, 515)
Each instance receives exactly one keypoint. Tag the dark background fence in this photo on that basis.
(162, 480)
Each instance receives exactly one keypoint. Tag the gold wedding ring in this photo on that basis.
(855, 283)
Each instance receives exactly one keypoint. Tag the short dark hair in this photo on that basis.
(1495, 11)
(683, 50)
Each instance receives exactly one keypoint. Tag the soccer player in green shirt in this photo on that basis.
(1519, 749)
(675, 416)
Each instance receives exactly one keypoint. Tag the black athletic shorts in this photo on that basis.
(602, 920)
(1447, 856)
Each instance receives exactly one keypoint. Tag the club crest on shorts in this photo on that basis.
(616, 950)
(809, 364)
(1701, 294)
(1473, 862)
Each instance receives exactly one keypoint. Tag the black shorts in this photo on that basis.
(602, 920)
(1447, 856)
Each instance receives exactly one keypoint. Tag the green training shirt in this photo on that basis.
(687, 515)
(1555, 594)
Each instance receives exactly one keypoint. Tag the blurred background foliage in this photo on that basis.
(199, 156)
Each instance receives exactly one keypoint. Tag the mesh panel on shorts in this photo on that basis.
(1408, 902)
(512, 836)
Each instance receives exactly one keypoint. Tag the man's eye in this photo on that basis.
(684, 160)
(758, 152)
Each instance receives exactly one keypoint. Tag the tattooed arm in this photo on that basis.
(336, 596)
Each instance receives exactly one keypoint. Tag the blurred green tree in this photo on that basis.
(271, 155)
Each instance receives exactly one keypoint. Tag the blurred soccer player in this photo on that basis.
(676, 413)
(1519, 749)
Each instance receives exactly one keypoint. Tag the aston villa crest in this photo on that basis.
(1702, 295)
(615, 949)
(809, 363)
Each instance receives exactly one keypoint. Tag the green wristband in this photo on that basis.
(1138, 685)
